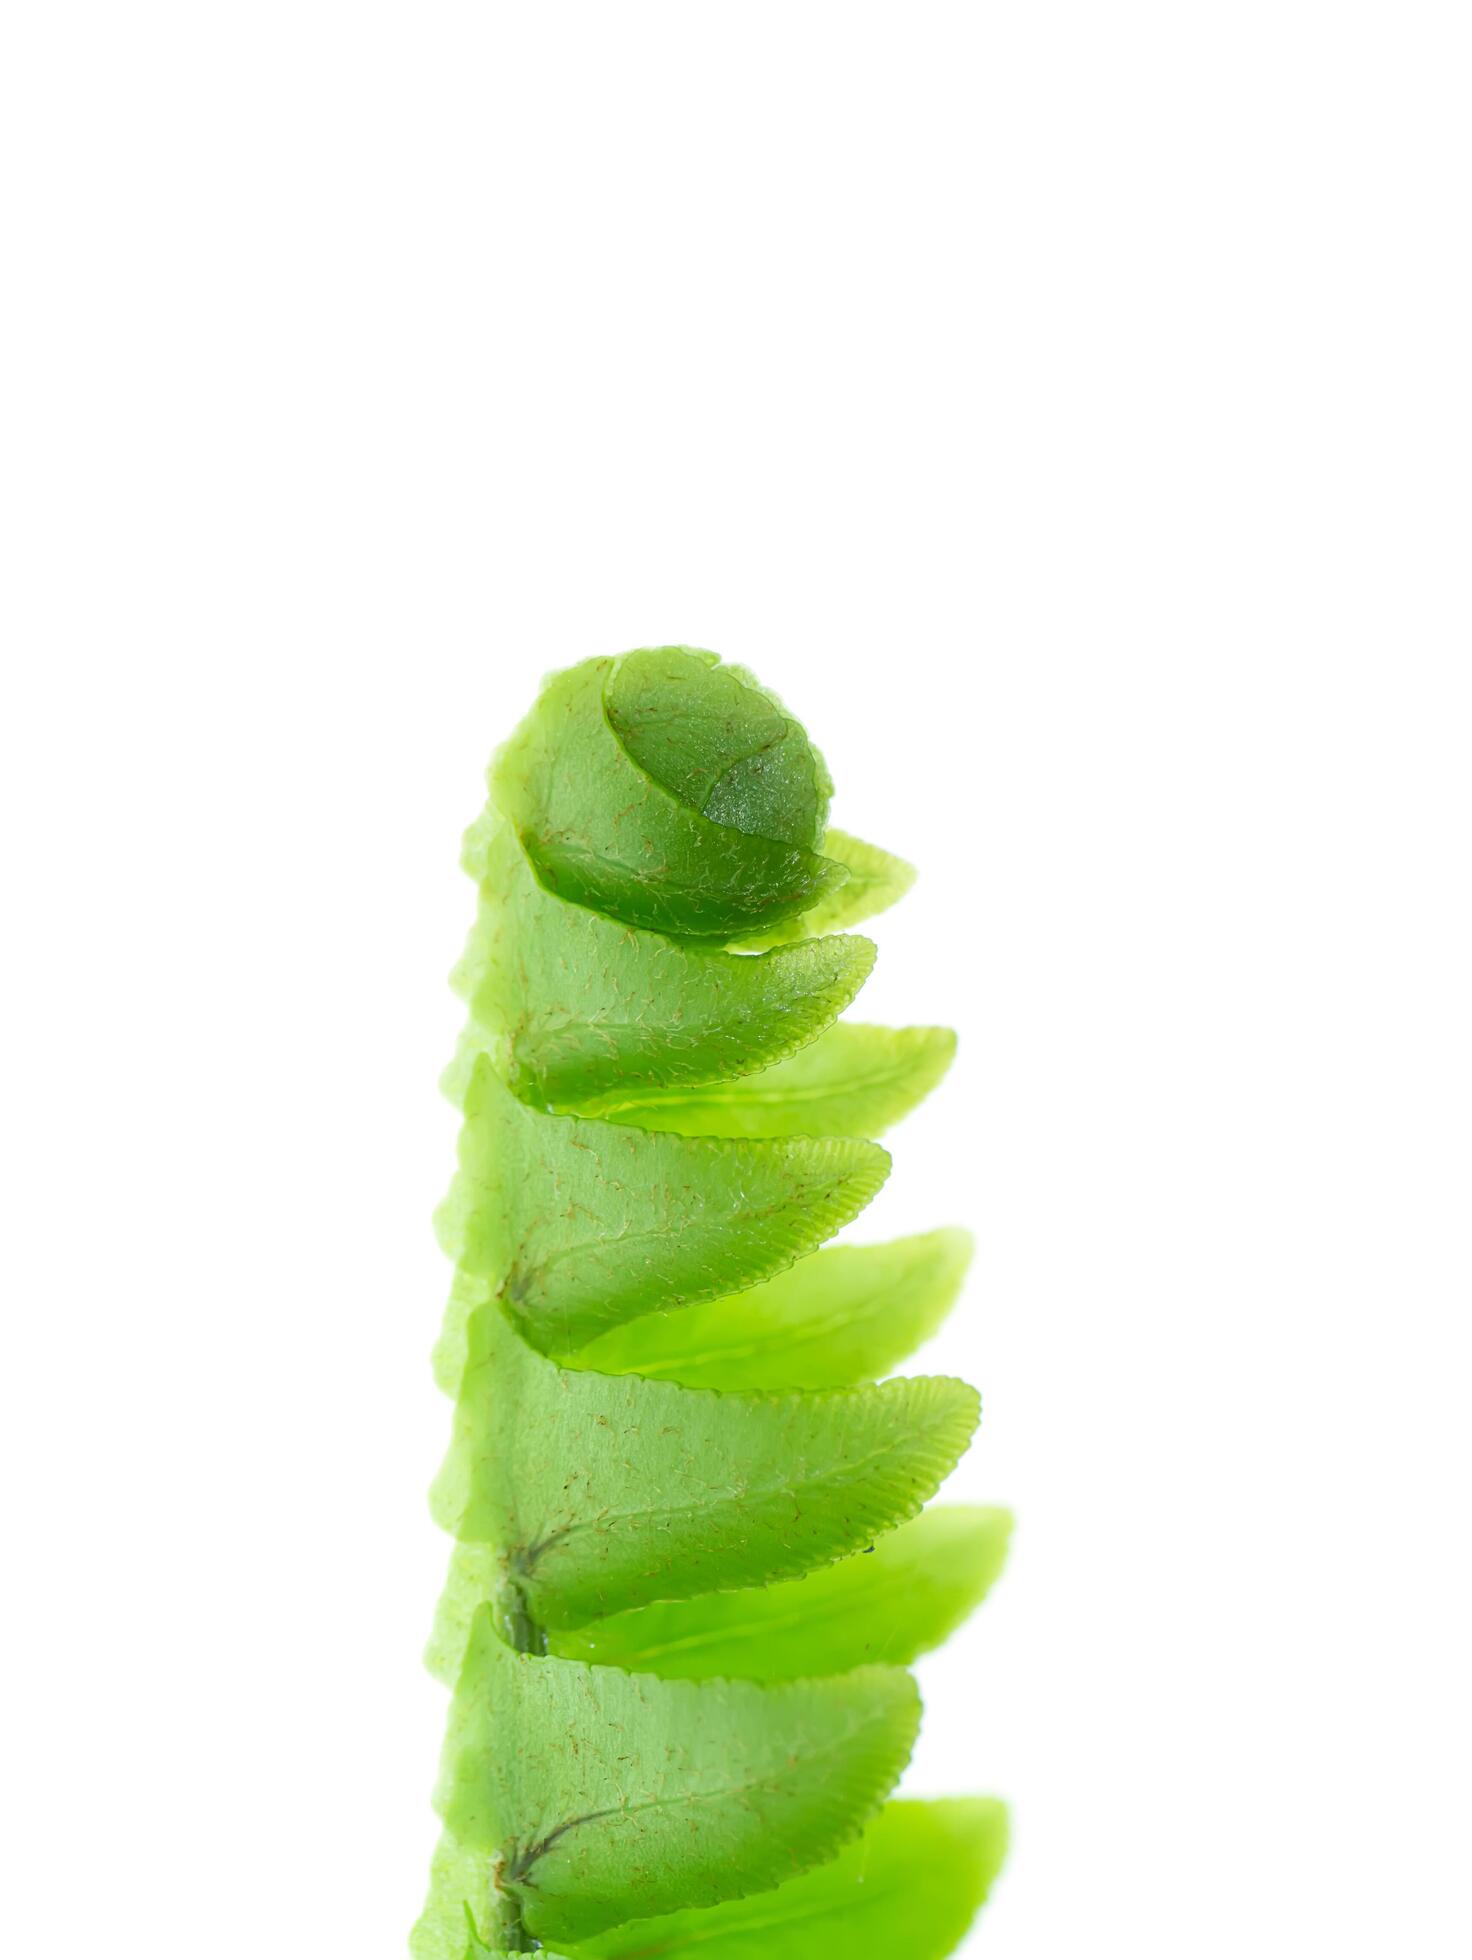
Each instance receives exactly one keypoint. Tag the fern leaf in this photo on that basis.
(645, 1794)
(849, 1314)
(720, 741)
(452, 1348)
(853, 1081)
(910, 1886)
(582, 1009)
(585, 1224)
(888, 1605)
(604, 1492)
(600, 831)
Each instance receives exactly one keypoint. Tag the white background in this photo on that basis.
(1067, 407)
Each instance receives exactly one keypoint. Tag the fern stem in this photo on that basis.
(519, 1627)
(507, 1931)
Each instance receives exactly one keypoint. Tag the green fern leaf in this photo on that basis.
(848, 1314)
(584, 1224)
(853, 1081)
(910, 1886)
(452, 1348)
(720, 741)
(889, 1605)
(604, 1492)
(581, 1009)
(643, 1795)
(602, 832)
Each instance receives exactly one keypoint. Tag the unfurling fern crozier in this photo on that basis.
(691, 1561)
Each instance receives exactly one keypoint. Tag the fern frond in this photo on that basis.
(691, 1557)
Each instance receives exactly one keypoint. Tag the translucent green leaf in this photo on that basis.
(853, 1081)
(466, 1294)
(610, 1795)
(891, 1604)
(875, 881)
(478, 1578)
(580, 1008)
(602, 832)
(909, 1887)
(716, 738)
(848, 1314)
(604, 1492)
(583, 1225)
